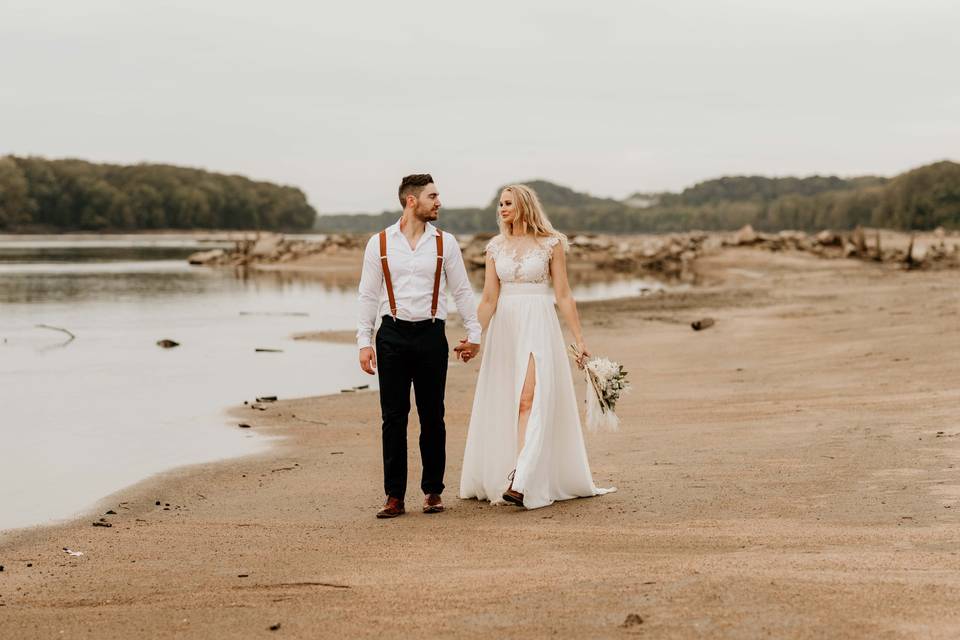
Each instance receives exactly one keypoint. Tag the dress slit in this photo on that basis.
(520, 475)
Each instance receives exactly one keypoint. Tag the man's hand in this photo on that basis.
(368, 360)
(466, 351)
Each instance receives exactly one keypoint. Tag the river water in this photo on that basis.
(85, 416)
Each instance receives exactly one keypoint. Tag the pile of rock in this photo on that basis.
(782, 241)
(473, 248)
(937, 253)
(670, 255)
(273, 247)
(853, 244)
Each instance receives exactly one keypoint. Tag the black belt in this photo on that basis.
(411, 323)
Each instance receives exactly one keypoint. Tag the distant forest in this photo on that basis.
(923, 198)
(66, 195)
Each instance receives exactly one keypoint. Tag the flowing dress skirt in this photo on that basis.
(553, 463)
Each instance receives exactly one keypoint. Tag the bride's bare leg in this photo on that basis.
(526, 402)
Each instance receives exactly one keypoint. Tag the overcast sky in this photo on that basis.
(610, 97)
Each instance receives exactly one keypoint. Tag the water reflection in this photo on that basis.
(341, 281)
(589, 284)
(18, 254)
(45, 282)
(89, 416)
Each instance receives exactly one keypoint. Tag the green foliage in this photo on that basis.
(924, 198)
(554, 195)
(73, 194)
(15, 204)
(762, 190)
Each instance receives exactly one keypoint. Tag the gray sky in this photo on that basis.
(343, 98)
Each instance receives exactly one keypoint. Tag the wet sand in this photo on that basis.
(790, 472)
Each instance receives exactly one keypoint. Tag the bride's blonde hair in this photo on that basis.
(530, 217)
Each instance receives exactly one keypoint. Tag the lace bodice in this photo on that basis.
(521, 262)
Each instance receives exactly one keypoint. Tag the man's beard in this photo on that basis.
(428, 214)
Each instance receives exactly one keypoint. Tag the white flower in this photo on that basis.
(606, 381)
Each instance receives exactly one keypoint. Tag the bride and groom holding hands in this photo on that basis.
(524, 444)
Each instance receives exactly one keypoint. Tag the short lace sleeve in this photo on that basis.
(550, 242)
(494, 247)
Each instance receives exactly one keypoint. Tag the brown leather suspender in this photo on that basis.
(389, 282)
(386, 273)
(436, 276)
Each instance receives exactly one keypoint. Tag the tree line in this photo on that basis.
(65, 195)
(923, 198)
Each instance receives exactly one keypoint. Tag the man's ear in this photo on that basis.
(411, 201)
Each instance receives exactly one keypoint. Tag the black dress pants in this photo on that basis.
(412, 353)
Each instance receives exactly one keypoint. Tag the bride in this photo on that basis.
(525, 426)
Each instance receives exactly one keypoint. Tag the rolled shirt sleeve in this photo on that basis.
(459, 284)
(371, 287)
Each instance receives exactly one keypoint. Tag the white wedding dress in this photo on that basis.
(553, 463)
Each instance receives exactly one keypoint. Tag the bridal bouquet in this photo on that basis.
(606, 381)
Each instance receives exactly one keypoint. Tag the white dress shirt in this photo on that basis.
(412, 272)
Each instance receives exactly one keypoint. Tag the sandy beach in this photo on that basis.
(791, 471)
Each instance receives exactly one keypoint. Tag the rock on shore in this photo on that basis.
(859, 244)
(671, 255)
(266, 248)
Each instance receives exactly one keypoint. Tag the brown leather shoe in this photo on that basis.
(511, 496)
(432, 503)
(392, 508)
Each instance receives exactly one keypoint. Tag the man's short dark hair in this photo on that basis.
(412, 185)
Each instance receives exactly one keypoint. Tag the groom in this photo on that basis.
(407, 269)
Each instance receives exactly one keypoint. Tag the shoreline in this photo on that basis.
(231, 414)
(759, 486)
(65, 516)
(122, 495)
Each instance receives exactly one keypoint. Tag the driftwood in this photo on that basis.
(704, 323)
(167, 344)
(908, 259)
(61, 329)
(859, 240)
